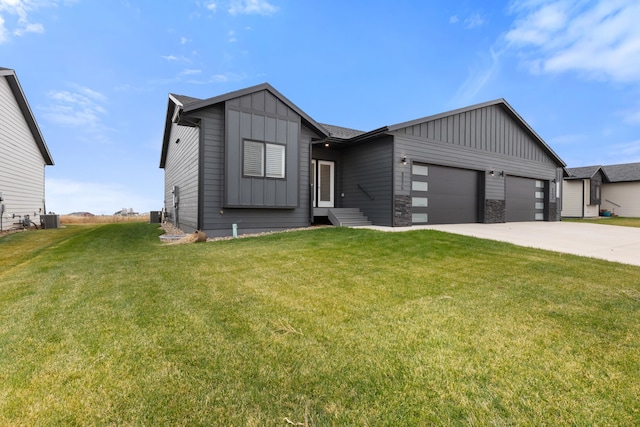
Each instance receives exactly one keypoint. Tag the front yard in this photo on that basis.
(103, 324)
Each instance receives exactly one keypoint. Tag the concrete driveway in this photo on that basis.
(612, 243)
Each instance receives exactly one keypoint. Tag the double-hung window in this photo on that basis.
(263, 159)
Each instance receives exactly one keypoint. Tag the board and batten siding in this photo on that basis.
(21, 162)
(261, 116)
(181, 171)
(624, 194)
(217, 217)
(488, 129)
(367, 168)
(484, 139)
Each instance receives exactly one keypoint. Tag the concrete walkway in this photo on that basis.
(609, 242)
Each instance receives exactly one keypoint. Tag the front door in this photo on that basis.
(323, 182)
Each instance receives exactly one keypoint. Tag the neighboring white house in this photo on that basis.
(592, 190)
(23, 155)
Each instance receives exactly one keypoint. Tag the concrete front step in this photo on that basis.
(348, 217)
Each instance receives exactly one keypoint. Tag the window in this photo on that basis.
(420, 170)
(262, 159)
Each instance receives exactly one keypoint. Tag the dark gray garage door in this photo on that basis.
(525, 199)
(443, 195)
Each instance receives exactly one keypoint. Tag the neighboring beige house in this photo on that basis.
(621, 191)
(591, 191)
(23, 156)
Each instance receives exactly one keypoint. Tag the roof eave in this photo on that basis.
(21, 99)
(167, 129)
(246, 91)
(499, 102)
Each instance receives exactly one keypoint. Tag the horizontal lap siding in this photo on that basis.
(370, 165)
(625, 194)
(573, 199)
(181, 170)
(21, 162)
(446, 154)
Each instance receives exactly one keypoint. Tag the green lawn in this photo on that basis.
(104, 325)
(614, 220)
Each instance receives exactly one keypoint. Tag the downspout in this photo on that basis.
(583, 190)
(201, 192)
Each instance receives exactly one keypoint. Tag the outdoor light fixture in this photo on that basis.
(404, 160)
(492, 172)
(501, 173)
(326, 145)
(178, 141)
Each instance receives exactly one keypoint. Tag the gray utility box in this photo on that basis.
(50, 221)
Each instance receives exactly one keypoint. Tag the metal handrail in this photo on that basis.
(615, 204)
(366, 192)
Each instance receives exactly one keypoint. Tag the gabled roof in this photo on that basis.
(623, 173)
(350, 136)
(626, 172)
(18, 94)
(585, 172)
(502, 103)
(184, 104)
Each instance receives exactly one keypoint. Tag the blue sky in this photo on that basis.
(97, 74)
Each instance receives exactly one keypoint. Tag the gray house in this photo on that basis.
(254, 159)
(591, 189)
(23, 155)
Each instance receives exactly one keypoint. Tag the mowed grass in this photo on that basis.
(614, 220)
(104, 325)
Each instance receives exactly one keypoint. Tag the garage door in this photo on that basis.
(525, 199)
(443, 195)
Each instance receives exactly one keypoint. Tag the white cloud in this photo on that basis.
(251, 7)
(212, 6)
(66, 196)
(232, 36)
(220, 78)
(631, 116)
(626, 153)
(3, 31)
(22, 9)
(599, 39)
(190, 72)
(473, 21)
(170, 57)
(477, 79)
(82, 108)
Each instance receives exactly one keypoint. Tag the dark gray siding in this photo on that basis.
(370, 166)
(487, 129)
(217, 218)
(181, 171)
(261, 116)
(484, 139)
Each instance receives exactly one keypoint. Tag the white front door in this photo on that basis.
(324, 193)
